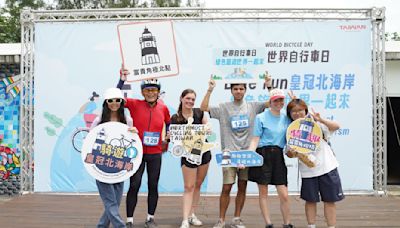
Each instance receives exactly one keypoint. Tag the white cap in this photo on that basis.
(113, 93)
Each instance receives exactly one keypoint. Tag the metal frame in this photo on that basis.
(375, 15)
(379, 101)
(26, 103)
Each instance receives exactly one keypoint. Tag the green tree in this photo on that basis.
(98, 4)
(193, 3)
(104, 4)
(395, 36)
(392, 36)
(166, 3)
(10, 26)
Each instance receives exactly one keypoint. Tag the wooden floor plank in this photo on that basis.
(53, 210)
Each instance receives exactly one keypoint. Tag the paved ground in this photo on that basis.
(50, 210)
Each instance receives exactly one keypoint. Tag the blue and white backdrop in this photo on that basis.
(326, 63)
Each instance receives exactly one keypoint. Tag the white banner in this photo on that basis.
(148, 49)
(322, 62)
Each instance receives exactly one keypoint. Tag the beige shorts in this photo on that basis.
(230, 173)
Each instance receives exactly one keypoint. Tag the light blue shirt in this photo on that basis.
(271, 129)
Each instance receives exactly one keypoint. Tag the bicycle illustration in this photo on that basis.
(130, 150)
(80, 133)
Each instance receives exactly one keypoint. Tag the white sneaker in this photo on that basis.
(193, 220)
(219, 224)
(237, 223)
(185, 224)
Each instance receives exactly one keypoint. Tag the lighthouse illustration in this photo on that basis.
(306, 128)
(149, 48)
(100, 139)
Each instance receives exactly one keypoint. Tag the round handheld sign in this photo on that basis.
(111, 153)
(304, 135)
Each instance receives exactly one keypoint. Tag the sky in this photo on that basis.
(392, 23)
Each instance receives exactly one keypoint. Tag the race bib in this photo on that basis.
(151, 138)
(240, 122)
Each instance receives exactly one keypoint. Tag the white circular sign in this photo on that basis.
(111, 153)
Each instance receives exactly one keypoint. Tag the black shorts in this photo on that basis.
(273, 171)
(328, 186)
(204, 160)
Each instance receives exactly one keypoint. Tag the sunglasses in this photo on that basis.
(115, 100)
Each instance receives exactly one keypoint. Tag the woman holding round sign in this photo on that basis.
(111, 154)
(269, 140)
(193, 174)
(317, 162)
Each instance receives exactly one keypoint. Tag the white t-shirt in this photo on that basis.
(325, 158)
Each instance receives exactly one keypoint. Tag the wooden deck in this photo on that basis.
(52, 210)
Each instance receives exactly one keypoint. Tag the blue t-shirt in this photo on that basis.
(271, 129)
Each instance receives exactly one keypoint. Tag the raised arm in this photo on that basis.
(292, 95)
(268, 85)
(332, 125)
(267, 80)
(123, 74)
(206, 100)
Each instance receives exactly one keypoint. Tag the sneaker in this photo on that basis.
(288, 226)
(237, 223)
(150, 224)
(269, 226)
(193, 220)
(185, 224)
(129, 225)
(219, 224)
